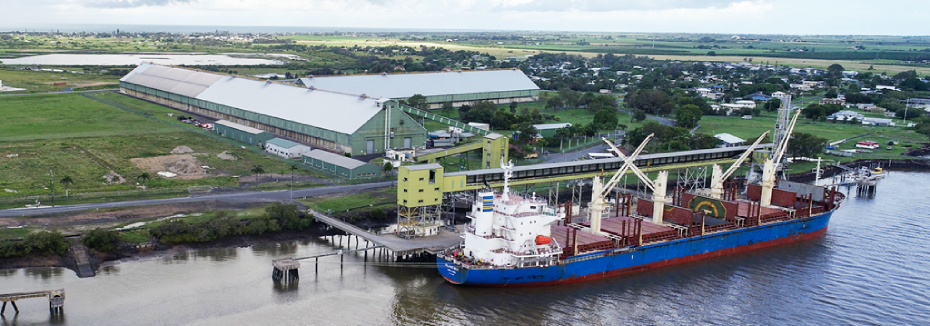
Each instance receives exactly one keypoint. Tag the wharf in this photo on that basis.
(56, 299)
(431, 244)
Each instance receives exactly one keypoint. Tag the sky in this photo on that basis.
(796, 17)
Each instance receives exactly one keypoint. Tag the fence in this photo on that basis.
(60, 199)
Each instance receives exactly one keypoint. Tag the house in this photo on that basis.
(890, 114)
(884, 87)
(867, 144)
(285, 148)
(758, 97)
(866, 107)
(801, 87)
(548, 130)
(832, 101)
(845, 115)
(813, 83)
(877, 122)
(746, 103)
(729, 140)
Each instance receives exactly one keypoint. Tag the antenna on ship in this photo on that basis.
(508, 173)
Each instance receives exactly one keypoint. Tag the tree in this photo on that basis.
(805, 145)
(651, 100)
(831, 93)
(258, 169)
(513, 107)
(772, 105)
(66, 181)
(555, 103)
(605, 119)
(711, 53)
(387, 167)
(144, 177)
(569, 96)
(447, 108)
(835, 70)
(688, 116)
(639, 115)
(418, 101)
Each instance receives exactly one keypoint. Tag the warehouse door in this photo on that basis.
(406, 142)
(371, 147)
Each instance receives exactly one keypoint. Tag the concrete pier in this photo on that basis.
(285, 271)
(56, 300)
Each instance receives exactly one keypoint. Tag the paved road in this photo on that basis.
(257, 196)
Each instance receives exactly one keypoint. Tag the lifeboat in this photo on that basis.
(542, 240)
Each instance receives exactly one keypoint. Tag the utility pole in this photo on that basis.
(51, 183)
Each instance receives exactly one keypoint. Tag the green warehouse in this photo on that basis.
(338, 122)
(340, 165)
(245, 134)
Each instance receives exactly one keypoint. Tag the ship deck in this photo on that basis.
(650, 232)
(586, 241)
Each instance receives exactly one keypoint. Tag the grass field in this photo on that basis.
(83, 138)
(383, 198)
(750, 129)
(58, 116)
(44, 81)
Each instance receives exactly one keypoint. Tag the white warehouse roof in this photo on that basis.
(244, 128)
(340, 160)
(343, 113)
(427, 84)
(332, 111)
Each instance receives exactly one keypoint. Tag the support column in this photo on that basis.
(658, 197)
(768, 182)
(716, 185)
(597, 206)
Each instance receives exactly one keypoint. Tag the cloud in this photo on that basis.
(121, 4)
(606, 5)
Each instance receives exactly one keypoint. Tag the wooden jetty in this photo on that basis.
(56, 299)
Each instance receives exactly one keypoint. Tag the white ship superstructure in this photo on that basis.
(507, 230)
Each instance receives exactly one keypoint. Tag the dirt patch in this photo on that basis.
(182, 150)
(226, 156)
(186, 166)
(113, 178)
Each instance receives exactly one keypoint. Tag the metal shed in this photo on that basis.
(340, 165)
(242, 133)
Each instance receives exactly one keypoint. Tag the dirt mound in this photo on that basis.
(113, 177)
(182, 150)
(186, 166)
(226, 156)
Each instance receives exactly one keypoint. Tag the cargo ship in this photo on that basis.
(514, 240)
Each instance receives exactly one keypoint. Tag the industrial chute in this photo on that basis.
(768, 168)
(599, 191)
(718, 177)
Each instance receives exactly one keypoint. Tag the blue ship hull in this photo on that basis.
(613, 262)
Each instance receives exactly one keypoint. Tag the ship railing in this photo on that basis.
(524, 214)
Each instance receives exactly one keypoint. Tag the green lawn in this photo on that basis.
(384, 198)
(44, 81)
(59, 116)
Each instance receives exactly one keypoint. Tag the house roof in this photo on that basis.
(283, 143)
(729, 139)
(551, 126)
(340, 160)
(426, 84)
(240, 127)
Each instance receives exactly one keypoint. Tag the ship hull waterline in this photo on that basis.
(614, 262)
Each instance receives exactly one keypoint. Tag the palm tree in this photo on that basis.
(66, 181)
(257, 169)
(145, 177)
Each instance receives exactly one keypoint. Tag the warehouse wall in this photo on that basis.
(402, 125)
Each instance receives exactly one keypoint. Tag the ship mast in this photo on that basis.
(508, 173)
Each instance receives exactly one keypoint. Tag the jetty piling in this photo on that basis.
(56, 300)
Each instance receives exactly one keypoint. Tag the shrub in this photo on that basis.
(101, 240)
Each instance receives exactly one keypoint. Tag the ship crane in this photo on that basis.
(718, 177)
(768, 168)
(599, 191)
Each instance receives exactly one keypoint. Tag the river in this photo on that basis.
(870, 268)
